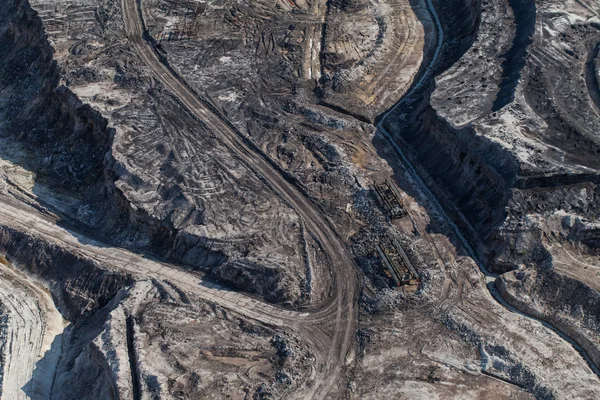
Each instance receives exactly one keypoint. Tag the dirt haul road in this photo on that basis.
(333, 339)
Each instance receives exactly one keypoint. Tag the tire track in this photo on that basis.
(490, 277)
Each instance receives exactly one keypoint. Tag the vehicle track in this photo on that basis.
(315, 327)
(339, 310)
(33, 322)
(315, 223)
(490, 277)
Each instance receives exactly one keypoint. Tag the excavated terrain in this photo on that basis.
(193, 199)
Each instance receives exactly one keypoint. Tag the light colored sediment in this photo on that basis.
(33, 325)
(162, 156)
(375, 50)
(27, 219)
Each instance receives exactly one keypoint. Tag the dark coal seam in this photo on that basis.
(132, 356)
(515, 58)
(591, 79)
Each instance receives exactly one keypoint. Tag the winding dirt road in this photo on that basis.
(315, 327)
(489, 276)
(338, 315)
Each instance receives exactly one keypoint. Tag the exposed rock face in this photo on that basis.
(154, 202)
(72, 141)
(472, 98)
(511, 151)
(66, 140)
(498, 152)
(78, 284)
(153, 341)
(460, 20)
(563, 301)
(129, 339)
(481, 168)
(468, 171)
(30, 324)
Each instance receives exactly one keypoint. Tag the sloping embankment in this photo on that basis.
(31, 324)
(566, 303)
(77, 284)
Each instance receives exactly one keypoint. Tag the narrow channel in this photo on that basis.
(490, 277)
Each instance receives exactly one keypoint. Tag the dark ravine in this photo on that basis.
(497, 171)
(515, 58)
(455, 165)
(469, 173)
(567, 304)
(133, 363)
(460, 20)
(322, 54)
(472, 176)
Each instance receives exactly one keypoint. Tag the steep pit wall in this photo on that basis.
(561, 207)
(68, 144)
(469, 174)
(566, 303)
(84, 293)
(466, 91)
(78, 285)
(587, 235)
(460, 20)
(549, 181)
(66, 140)
(515, 58)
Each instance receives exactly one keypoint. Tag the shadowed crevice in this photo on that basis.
(515, 58)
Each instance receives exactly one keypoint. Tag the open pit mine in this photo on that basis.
(300, 199)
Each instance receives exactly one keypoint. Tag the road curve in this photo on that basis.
(490, 277)
(338, 313)
(28, 220)
(22, 218)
